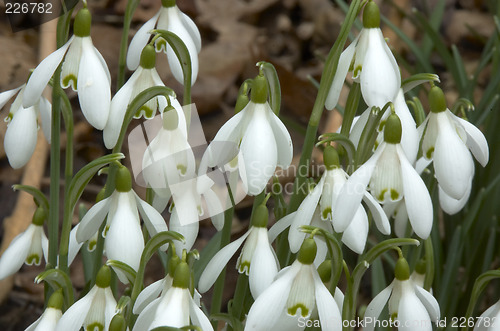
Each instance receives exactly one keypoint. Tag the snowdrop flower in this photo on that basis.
(410, 306)
(390, 178)
(124, 239)
(144, 77)
(95, 310)
(28, 247)
(371, 61)
(324, 196)
(21, 135)
(50, 316)
(447, 139)
(263, 141)
(84, 69)
(176, 308)
(169, 18)
(489, 320)
(257, 259)
(296, 293)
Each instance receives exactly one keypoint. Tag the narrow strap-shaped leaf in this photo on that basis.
(418, 110)
(57, 279)
(182, 54)
(40, 198)
(124, 268)
(123, 303)
(351, 107)
(229, 319)
(274, 85)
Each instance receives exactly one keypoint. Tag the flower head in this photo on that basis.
(169, 18)
(21, 135)
(95, 310)
(408, 303)
(371, 61)
(84, 69)
(50, 316)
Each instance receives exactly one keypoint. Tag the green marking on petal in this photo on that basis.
(244, 267)
(381, 125)
(428, 154)
(304, 311)
(394, 316)
(182, 169)
(160, 44)
(33, 259)
(382, 194)
(144, 110)
(70, 80)
(326, 212)
(357, 71)
(96, 326)
(91, 246)
(394, 194)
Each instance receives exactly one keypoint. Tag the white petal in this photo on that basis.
(379, 64)
(328, 310)
(353, 191)
(118, 107)
(124, 240)
(259, 151)
(280, 226)
(71, 63)
(45, 115)
(215, 210)
(74, 246)
(147, 295)
(453, 163)
(304, 216)
(263, 267)
(110, 309)
(452, 206)
(266, 310)
(94, 91)
(378, 214)
(376, 306)
(410, 137)
(356, 233)
(492, 314)
(358, 127)
(152, 218)
(340, 75)
(146, 316)
(217, 263)
(173, 309)
(401, 220)
(475, 141)
(198, 318)
(20, 138)
(140, 40)
(74, 317)
(412, 314)
(7, 95)
(429, 302)
(339, 298)
(14, 256)
(417, 199)
(193, 30)
(189, 231)
(283, 141)
(93, 219)
(46, 322)
(42, 74)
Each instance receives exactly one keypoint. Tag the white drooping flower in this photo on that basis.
(50, 316)
(323, 198)
(95, 310)
(371, 61)
(295, 294)
(169, 18)
(390, 177)
(259, 139)
(447, 139)
(144, 77)
(21, 135)
(489, 320)
(410, 306)
(257, 259)
(84, 69)
(175, 307)
(124, 240)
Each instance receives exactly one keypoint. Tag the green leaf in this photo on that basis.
(124, 268)
(479, 286)
(418, 110)
(418, 79)
(229, 319)
(182, 54)
(351, 107)
(122, 304)
(462, 105)
(273, 84)
(206, 255)
(57, 279)
(83, 177)
(40, 198)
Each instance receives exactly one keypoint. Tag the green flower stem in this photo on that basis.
(350, 108)
(127, 19)
(239, 296)
(331, 65)
(429, 264)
